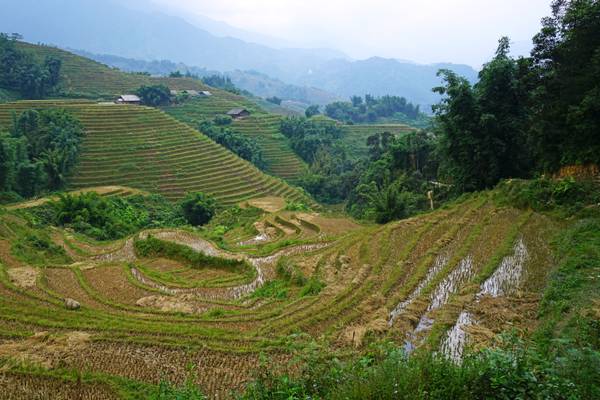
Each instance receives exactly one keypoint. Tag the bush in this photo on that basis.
(566, 196)
(514, 371)
(154, 96)
(221, 120)
(153, 247)
(107, 218)
(198, 208)
(242, 145)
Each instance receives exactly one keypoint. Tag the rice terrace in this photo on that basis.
(187, 215)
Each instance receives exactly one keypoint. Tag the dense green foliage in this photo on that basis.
(107, 218)
(528, 115)
(482, 127)
(371, 108)
(20, 72)
(39, 152)
(515, 370)
(155, 95)
(565, 102)
(242, 145)
(308, 136)
(198, 208)
(153, 247)
(565, 197)
(391, 184)
(221, 82)
(311, 111)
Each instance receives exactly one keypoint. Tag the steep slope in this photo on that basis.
(281, 160)
(146, 149)
(82, 77)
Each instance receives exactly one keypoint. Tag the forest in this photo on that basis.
(524, 118)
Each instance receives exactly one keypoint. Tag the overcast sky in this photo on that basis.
(426, 31)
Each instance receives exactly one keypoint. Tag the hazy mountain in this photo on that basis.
(255, 82)
(140, 30)
(380, 76)
(107, 27)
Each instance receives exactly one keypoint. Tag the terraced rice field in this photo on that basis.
(81, 76)
(280, 158)
(147, 319)
(146, 149)
(356, 135)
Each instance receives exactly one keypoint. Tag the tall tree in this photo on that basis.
(566, 102)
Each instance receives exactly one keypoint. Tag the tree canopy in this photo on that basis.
(20, 72)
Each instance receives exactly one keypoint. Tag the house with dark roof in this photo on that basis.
(237, 113)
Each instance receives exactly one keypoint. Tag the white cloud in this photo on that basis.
(462, 31)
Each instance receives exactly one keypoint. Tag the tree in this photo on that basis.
(41, 150)
(274, 100)
(154, 96)
(19, 71)
(483, 128)
(566, 99)
(312, 110)
(198, 208)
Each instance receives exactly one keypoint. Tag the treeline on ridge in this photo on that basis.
(20, 72)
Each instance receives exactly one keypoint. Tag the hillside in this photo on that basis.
(82, 77)
(146, 149)
(281, 160)
(143, 319)
(356, 135)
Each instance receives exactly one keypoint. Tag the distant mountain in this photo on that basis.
(108, 27)
(380, 76)
(254, 82)
(140, 30)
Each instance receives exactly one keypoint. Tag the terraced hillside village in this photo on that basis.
(144, 254)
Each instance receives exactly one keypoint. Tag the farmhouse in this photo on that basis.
(128, 99)
(238, 113)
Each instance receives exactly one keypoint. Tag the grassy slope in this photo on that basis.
(281, 160)
(356, 136)
(146, 149)
(85, 78)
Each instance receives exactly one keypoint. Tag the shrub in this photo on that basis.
(106, 218)
(153, 247)
(156, 95)
(565, 196)
(198, 208)
(222, 120)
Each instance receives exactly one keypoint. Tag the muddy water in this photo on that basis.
(505, 281)
(450, 285)
(438, 265)
(260, 238)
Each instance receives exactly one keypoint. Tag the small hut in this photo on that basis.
(128, 99)
(238, 113)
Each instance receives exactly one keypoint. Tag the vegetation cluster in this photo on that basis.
(39, 152)
(21, 73)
